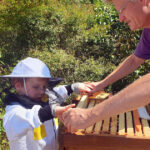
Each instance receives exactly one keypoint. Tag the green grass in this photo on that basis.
(4, 144)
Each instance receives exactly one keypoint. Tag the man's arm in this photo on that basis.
(130, 98)
(126, 67)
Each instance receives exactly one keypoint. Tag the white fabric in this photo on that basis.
(30, 67)
(143, 113)
(19, 123)
(25, 88)
(61, 89)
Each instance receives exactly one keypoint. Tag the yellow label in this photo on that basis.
(56, 122)
(45, 98)
(39, 133)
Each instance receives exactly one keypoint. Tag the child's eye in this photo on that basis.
(39, 88)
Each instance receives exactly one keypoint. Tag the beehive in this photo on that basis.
(122, 132)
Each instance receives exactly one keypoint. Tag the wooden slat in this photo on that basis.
(139, 133)
(146, 128)
(121, 130)
(97, 127)
(70, 148)
(113, 127)
(137, 124)
(97, 141)
(90, 129)
(91, 104)
(106, 126)
(130, 128)
(80, 132)
(83, 102)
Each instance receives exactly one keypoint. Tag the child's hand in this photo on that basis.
(61, 109)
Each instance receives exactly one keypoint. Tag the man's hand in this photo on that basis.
(97, 86)
(81, 88)
(85, 87)
(77, 118)
(61, 109)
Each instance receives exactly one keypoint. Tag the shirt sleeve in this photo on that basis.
(45, 113)
(57, 96)
(18, 120)
(143, 48)
(63, 91)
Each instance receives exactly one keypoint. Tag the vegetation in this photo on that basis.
(80, 40)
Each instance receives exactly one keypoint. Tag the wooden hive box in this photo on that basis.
(122, 132)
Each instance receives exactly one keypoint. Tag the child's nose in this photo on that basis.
(42, 90)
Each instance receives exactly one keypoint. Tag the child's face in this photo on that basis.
(35, 88)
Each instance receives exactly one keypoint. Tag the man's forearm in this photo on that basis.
(130, 98)
(126, 67)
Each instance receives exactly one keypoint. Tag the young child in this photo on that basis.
(28, 120)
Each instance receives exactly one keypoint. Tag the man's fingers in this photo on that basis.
(65, 114)
(66, 120)
(69, 106)
(91, 92)
(68, 129)
(60, 118)
(91, 84)
(72, 130)
(86, 90)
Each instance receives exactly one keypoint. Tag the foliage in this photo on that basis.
(3, 139)
(80, 40)
(107, 37)
(42, 24)
(72, 69)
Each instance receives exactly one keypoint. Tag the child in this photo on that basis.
(28, 120)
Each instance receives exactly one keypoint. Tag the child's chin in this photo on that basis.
(37, 99)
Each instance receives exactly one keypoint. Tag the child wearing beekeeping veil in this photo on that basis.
(28, 120)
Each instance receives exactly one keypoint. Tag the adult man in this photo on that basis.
(136, 14)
